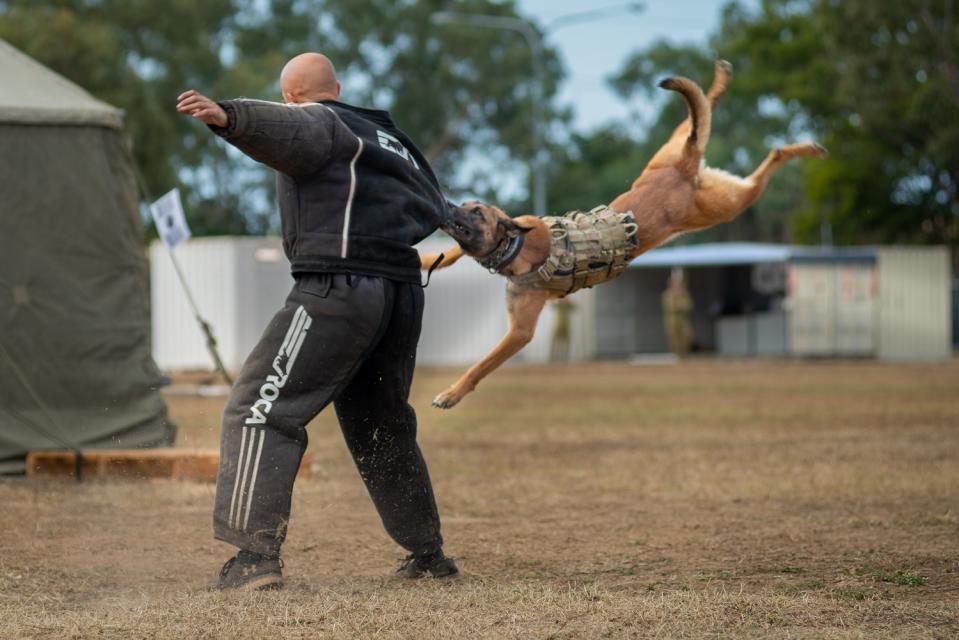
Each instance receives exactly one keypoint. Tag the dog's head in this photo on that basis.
(480, 229)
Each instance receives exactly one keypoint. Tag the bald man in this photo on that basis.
(355, 195)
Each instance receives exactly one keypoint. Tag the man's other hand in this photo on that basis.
(202, 108)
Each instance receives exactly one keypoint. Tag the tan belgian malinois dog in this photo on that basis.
(676, 193)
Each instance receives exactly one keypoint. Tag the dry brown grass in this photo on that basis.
(711, 499)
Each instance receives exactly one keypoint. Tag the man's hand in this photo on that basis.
(202, 108)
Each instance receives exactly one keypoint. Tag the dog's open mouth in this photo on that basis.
(457, 229)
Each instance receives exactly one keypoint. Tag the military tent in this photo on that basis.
(75, 363)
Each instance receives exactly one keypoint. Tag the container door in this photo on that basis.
(811, 304)
(855, 310)
(914, 314)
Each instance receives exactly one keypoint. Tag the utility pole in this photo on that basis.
(534, 39)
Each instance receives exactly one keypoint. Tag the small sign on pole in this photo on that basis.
(171, 225)
(170, 222)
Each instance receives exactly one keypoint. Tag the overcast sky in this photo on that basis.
(593, 50)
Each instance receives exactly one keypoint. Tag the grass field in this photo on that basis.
(770, 499)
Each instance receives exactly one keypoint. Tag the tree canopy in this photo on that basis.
(876, 82)
(743, 127)
(463, 94)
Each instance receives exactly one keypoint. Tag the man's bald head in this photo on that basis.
(309, 77)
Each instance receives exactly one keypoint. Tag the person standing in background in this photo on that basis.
(559, 343)
(677, 305)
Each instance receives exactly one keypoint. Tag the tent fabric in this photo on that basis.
(75, 362)
(32, 94)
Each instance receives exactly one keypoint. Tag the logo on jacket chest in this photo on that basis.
(391, 143)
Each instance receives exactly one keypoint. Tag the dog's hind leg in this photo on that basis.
(524, 307)
(723, 196)
(724, 73)
(778, 157)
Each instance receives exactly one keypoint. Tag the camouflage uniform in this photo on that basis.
(559, 343)
(677, 304)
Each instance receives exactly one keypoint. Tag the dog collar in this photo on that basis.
(502, 255)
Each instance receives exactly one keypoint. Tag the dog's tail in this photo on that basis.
(700, 116)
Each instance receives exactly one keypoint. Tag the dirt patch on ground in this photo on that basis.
(761, 498)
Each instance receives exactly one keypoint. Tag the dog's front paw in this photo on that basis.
(448, 399)
(427, 260)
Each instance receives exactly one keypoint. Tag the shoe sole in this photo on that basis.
(428, 576)
(448, 576)
(260, 583)
(266, 583)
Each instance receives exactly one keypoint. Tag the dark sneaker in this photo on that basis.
(248, 571)
(435, 565)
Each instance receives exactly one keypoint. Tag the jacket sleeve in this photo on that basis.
(295, 140)
(449, 210)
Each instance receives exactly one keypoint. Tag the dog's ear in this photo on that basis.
(513, 229)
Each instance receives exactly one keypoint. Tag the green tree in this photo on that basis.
(880, 83)
(137, 55)
(460, 93)
(876, 82)
(744, 127)
(463, 91)
(593, 168)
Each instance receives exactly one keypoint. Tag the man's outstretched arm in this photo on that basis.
(289, 139)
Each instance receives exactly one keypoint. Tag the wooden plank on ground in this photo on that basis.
(179, 464)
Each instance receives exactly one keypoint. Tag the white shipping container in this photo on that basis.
(831, 309)
(238, 285)
(856, 310)
(915, 316)
(811, 306)
(897, 308)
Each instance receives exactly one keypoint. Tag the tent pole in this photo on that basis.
(204, 325)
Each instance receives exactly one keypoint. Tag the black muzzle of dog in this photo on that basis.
(465, 231)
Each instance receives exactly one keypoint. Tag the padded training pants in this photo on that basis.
(352, 341)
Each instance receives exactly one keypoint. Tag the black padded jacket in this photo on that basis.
(353, 190)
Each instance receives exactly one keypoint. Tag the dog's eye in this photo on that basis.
(475, 211)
